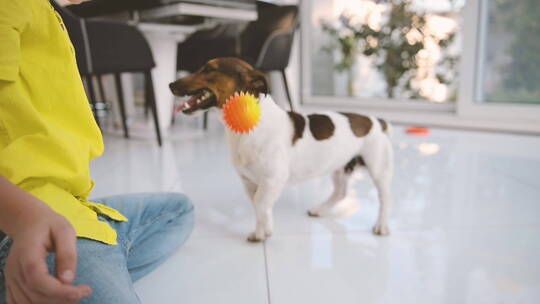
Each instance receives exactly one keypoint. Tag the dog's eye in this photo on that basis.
(207, 69)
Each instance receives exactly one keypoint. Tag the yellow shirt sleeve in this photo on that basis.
(11, 27)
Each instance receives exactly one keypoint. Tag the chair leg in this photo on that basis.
(121, 103)
(151, 98)
(92, 97)
(205, 121)
(102, 93)
(146, 108)
(287, 89)
(101, 90)
(173, 116)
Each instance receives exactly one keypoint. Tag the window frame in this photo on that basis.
(471, 102)
(467, 111)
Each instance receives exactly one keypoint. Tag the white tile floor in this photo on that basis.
(465, 225)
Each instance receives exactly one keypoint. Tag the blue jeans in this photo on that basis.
(158, 224)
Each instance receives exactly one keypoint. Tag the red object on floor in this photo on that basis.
(418, 131)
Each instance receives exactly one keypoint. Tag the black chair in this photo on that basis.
(104, 47)
(265, 43)
(223, 40)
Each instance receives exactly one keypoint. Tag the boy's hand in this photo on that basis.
(42, 231)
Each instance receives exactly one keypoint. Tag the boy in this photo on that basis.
(60, 247)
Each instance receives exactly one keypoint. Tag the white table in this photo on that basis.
(164, 39)
(191, 9)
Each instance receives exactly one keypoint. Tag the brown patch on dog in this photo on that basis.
(299, 124)
(384, 125)
(249, 79)
(360, 124)
(357, 161)
(321, 126)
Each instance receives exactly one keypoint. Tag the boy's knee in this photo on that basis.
(180, 202)
(181, 206)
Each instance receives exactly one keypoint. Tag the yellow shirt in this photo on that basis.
(48, 135)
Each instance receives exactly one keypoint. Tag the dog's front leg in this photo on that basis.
(265, 197)
(250, 187)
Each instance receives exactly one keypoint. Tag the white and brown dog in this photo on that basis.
(289, 147)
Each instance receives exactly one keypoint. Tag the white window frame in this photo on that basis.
(471, 76)
(468, 111)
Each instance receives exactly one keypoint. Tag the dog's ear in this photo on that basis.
(256, 83)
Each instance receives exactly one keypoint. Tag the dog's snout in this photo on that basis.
(173, 86)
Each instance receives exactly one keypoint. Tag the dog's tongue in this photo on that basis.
(188, 104)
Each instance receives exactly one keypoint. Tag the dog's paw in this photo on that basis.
(254, 238)
(313, 213)
(381, 230)
(321, 210)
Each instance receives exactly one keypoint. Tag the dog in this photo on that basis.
(289, 147)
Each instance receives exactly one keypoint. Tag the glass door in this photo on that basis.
(502, 73)
(511, 52)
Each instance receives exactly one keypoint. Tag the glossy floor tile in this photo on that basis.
(429, 266)
(209, 270)
(465, 224)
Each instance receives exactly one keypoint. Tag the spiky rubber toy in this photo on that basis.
(242, 112)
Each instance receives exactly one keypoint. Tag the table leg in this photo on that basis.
(163, 42)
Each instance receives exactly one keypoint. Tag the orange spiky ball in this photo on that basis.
(242, 112)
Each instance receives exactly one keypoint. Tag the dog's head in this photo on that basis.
(216, 81)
